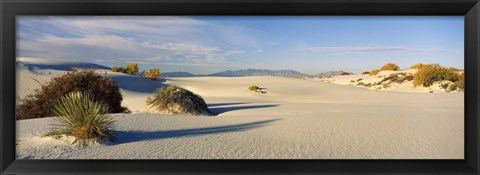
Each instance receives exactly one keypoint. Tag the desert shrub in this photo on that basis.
(461, 76)
(453, 69)
(131, 69)
(126, 110)
(360, 79)
(390, 66)
(175, 100)
(152, 74)
(352, 81)
(363, 84)
(118, 69)
(366, 72)
(396, 78)
(78, 115)
(417, 66)
(429, 74)
(253, 88)
(374, 72)
(344, 73)
(460, 84)
(452, 87)
(39, 104)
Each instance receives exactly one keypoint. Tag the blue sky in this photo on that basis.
(208, 44)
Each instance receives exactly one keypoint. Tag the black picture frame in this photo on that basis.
(470, 9)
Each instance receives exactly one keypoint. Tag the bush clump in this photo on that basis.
(104, 90)
(253, 88)
(417, 66)
(257, 89)
(78, 115)
(366, 72)
(374, 72)
(429, 74)
(344, 73)
(175, 100)
(131, 69)
(118, 69)
(152, 74)
(396, 78)
(390, 66)
(461, 81)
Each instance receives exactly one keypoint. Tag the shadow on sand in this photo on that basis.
(226, 104)
(219, 110)
(138, 83)
(136, 136)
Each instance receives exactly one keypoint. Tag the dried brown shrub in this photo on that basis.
(40, 103)
(390, 66)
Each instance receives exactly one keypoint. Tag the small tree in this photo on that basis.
(152, 74)
(131, 69)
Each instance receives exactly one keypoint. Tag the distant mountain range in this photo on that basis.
(329, 73)
(177, 74)
(259, 72)
(253, 72)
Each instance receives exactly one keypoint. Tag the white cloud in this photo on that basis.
(359, 50)
(115, 48)
(149, 39)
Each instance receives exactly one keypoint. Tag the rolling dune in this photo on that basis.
(295, 119)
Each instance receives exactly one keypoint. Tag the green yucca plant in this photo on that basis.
(78, 115)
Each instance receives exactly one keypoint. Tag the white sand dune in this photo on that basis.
(296, 119)
(407, 86)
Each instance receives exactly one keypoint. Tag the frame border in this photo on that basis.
(470, 9)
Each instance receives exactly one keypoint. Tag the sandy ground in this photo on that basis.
(407, 86)
(296, 119)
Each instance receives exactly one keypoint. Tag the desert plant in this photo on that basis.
(344, 73)
(253, 88)
(396, 78)
(374, 72)
(131, 69)
(429, 74)
(175, 100)
(417, 66)
(39, 104)
(390, 66)
(453, 69)
(78, 115)
(363, 84)
(117, 69)
(366, 72)
(152, 74)
(460, 84)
